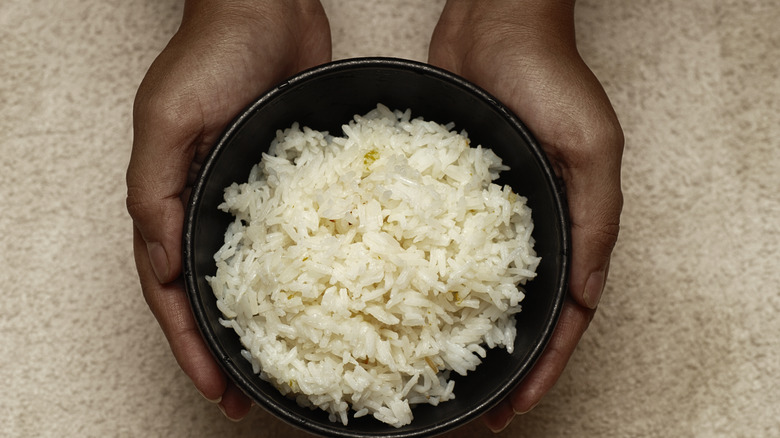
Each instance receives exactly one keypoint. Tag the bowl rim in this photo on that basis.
(193, 206)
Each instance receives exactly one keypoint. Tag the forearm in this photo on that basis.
(544, 10)
(275, 11)
(538, 21)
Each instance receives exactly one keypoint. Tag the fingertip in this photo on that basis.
(230, 416)
(523, 407)
(530, 393)
(224, 412)
(235, 405)
(498, 418)
(210, 400)
(210, 382)
(572, 324)
(189, 348)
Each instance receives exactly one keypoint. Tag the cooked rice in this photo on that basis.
(360, 271)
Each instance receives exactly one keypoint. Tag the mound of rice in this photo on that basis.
(360, 271)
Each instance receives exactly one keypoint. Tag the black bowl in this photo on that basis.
(324, 98)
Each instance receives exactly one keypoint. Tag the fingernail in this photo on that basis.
(504, 426)
(222, 409)
(159, 261)
(593, 289)
(216, 400)
(525, 411)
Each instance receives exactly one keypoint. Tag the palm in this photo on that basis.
(208, 73)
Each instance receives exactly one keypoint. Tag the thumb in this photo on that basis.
(156, 178)
(595, 203)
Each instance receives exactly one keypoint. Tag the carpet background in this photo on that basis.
(687, 338)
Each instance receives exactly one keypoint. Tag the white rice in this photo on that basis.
(362, 270)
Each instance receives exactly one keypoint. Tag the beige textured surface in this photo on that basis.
(687, 340)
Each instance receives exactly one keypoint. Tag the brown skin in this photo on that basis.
(225, 53)
(524, 53)
(222, 56)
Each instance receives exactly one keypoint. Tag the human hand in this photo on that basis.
(224, 54)
(524, 53)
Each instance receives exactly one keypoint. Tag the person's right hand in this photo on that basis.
(224, 54)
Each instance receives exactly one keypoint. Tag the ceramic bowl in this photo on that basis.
(324, 98)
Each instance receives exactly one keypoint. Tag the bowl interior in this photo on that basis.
(325, 98)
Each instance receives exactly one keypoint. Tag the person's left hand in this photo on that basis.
(524, 53)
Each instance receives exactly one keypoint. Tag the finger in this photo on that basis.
(169, 304)
(163, 148)
(234, 404)
(498, 418)
(595, 204)
(573, 322)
